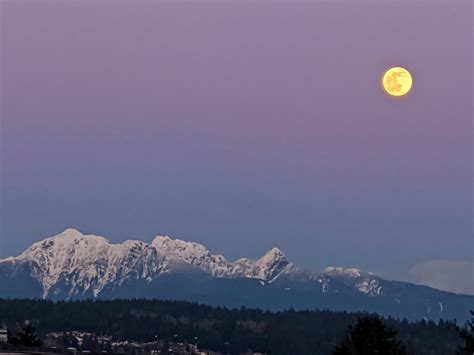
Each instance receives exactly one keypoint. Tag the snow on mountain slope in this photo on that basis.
(365, 282)
(88, 263)
(192, 253)
(268, 267)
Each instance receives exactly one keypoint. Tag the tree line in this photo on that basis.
(237, 331)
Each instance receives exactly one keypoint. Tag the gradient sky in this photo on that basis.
(242, 125)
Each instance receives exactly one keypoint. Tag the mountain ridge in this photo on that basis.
(71, 265)
(72, 251)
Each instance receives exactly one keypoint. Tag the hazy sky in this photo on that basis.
(242, 125)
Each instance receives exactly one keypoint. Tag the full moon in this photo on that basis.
(397, 81)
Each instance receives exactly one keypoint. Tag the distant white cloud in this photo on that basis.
(448, 275)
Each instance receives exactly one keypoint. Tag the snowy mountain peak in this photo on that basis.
(365, 282)
(160, 239)
(347, 272)
(273, 255)
(71, 233)
(270, 266)
(178, 247)
(69, 241)
(343, 272)
(64, 254)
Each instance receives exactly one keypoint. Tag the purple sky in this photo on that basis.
(241, 125)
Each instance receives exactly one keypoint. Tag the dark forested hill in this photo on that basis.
(219, 329)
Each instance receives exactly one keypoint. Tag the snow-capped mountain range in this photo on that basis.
(90, 262)
(72, 265)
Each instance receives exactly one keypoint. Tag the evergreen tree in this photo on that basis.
(370, 336)
(26, 337)
(467, 336)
